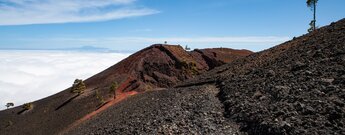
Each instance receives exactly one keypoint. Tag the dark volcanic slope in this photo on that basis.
(157, 66)
(294, 88)
(195, 110)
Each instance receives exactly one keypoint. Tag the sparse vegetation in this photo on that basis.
(113, 88)
(189, 67)
(148, 87)
(78, 86)
(99, 97)
(312, 5)
(187, 48)
(9, 105)
(27, 106)
(9, 123)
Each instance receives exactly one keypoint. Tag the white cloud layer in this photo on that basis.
(247, 39)
(225, 39)
(21, 12)
(254, 43)
(27, 76)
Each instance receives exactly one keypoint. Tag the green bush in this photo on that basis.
(189, 67)
(27, 106)
(113, 88)
(78, 86)
(9, 104)
(99, 97)
(148, 87)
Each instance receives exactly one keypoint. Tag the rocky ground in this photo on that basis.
(300, 92)
(194, 110)
(295, 88)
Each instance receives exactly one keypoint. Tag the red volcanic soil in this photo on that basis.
(162, 66)
(153, 68)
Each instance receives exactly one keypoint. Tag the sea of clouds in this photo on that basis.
(26, 76)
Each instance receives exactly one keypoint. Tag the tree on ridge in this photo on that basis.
(312, 5)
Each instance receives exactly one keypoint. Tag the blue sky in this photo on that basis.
(135, 24)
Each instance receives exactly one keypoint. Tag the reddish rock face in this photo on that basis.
(162, 66)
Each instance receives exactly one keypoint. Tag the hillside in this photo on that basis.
(153, 68)
(162, 66)
(294, 88)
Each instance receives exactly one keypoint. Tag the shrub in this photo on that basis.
(148, 87)
(193, 68)
(99, 97)
(9, 123)
(78, 86)
(27, 106)
(189, 68)
(9, 104)
(113, 88)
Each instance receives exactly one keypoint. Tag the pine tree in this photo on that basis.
(312, 5)
(78, 86)
(9, 105)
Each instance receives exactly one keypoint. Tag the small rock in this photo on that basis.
(263, 98)
(257, 95)
(309, 110)
(307, 72)
(271, 73)
(281, 87)
(327, 80)
(330, 88)
(299, 106)
(284, 123)
(298, 66)
(276, 120)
